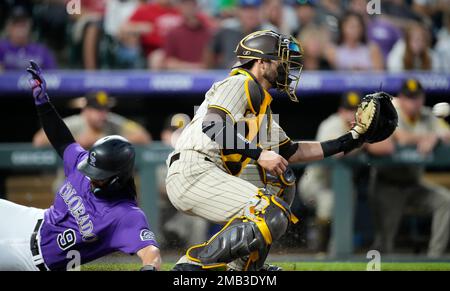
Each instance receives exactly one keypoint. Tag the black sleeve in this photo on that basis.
(288, 149)
(218, 127)
(345, 144)
(54, 127)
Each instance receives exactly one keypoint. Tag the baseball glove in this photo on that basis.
(376, 118)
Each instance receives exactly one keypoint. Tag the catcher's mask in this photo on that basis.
(109, 165)
(270, 45)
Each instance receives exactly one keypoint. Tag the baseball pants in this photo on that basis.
(17, 224)
(199, 187)
(388, 202)
(318, 194)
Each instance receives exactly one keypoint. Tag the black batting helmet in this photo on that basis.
(110, 158)
(270, 45)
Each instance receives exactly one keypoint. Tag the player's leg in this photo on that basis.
(257, 176)
(245, 236)
(253, 219)
(389, 201)
(283, 187)
(200, 188)
(17, 223)
(437, 199)
(315, 193)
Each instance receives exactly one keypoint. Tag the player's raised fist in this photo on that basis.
(37, 84)
(273, 162)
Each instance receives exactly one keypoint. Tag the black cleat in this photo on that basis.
(187, 267)
(271, 268)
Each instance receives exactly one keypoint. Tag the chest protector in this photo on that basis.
(257, 120)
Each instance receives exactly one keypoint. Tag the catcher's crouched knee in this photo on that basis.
(249, 235)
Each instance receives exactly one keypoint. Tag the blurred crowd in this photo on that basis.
(202, 34)
(391, 190)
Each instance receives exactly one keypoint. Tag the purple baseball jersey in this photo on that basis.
(17, 58)
(384, 34)
(78, 220)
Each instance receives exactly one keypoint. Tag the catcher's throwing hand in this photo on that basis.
(376, 118)
(37, 84)
(272, 162)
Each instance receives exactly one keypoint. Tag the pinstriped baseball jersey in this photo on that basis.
(232, 96)
(206, 188)
(198, 187)
(228, 94)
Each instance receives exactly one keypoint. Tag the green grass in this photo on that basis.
(298, 266)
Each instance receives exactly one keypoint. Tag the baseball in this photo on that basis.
(441, 109)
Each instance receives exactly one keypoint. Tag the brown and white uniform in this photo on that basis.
(207, 182)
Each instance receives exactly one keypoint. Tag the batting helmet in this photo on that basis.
(110, 158)
(270, 45)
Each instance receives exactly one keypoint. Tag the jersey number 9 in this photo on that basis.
(66, 239)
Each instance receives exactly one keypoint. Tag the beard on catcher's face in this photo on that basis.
(272, 74)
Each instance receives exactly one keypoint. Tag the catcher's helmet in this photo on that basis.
(270, 45)
(110, 158)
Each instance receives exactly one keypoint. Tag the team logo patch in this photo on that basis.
(147, 235)
(92, 159)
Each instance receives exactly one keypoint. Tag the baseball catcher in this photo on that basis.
(94, 212)
(233, 130)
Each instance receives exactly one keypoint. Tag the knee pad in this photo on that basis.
(285, 182)
(239, 238)
(250, 235)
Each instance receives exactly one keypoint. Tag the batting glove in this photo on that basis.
(37, 84)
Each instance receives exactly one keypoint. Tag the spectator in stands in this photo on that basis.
(414, 52)
(87, 31)
(6, 8)
(399, 12)
(329, 13)
(431, 11)
(126, 52)
(220, 53)
(190, 229)
(282, 17)
(96, 121)
(194, 31)
(315, 184)
(17, 48)
(353, 52)
(380, 30)
(226, 9)
(395, 187)
(51, 22)
(442, 47)
(315, 41)
(306, 15)
(151, 22)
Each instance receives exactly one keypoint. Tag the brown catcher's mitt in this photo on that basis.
(376, 118)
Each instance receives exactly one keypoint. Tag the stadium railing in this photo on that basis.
(128, 83)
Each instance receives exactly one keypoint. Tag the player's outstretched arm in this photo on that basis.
(307, 151)
(376, 120)
(54, 127)
(151, 258)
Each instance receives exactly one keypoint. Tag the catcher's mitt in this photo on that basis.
(376, 118)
